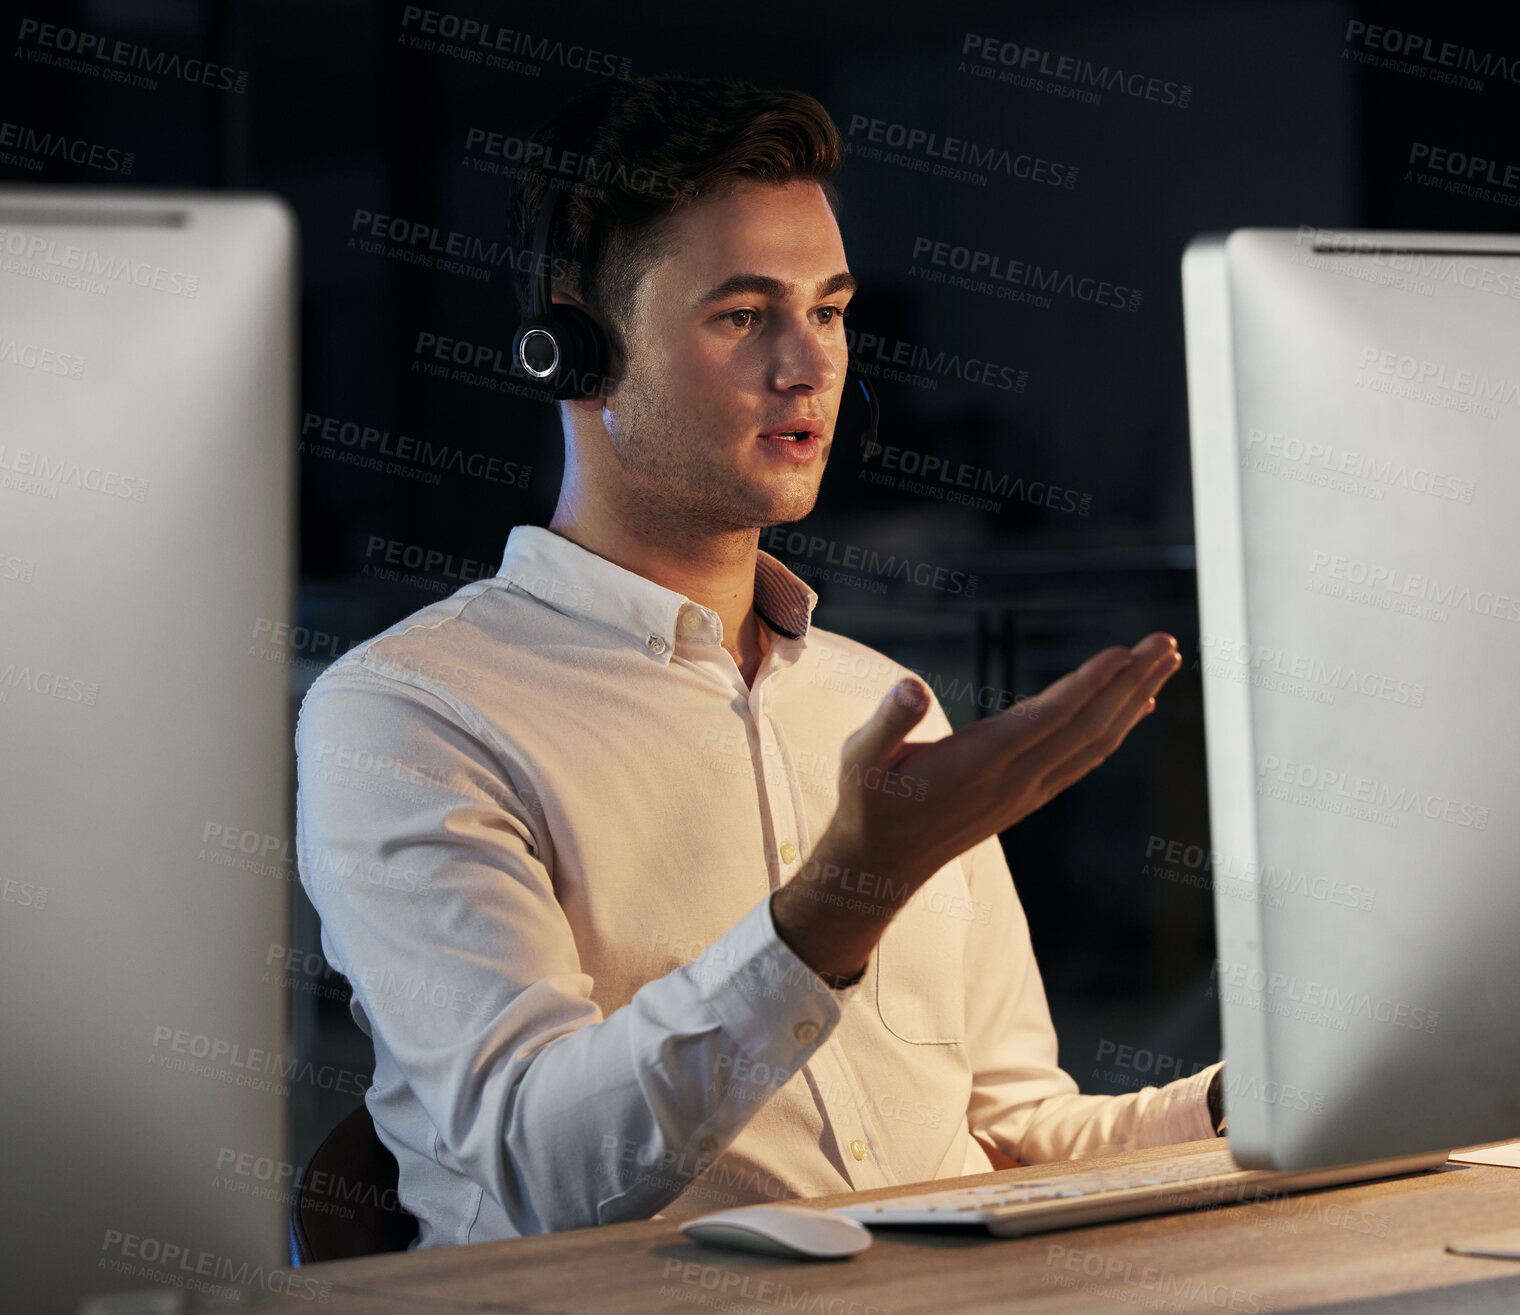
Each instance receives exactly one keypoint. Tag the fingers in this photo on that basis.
(897, 714)
(1101, 727)
(1040, 735)
(1058, 703)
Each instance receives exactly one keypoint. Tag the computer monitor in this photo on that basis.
(147, 455)
(1354, 400)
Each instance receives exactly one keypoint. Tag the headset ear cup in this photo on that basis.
(537, 350)
(563, 352)
(584, 356)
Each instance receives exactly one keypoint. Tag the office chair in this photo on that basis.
(346, 1204)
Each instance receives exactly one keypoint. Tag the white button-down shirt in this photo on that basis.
(541, 820)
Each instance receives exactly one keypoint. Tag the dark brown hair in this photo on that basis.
(627, 154)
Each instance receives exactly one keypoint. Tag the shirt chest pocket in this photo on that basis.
(920, 963)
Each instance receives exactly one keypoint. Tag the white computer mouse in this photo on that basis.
(781, 1230)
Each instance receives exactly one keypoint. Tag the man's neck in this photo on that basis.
(717, 572)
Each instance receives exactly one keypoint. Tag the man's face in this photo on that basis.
(737, 334)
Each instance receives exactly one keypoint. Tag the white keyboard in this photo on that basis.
(1067, 1200)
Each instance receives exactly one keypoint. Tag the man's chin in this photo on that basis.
(787, 511)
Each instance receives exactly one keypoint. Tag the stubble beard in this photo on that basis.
(675, 481)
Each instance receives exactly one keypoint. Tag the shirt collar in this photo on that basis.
(576, 581)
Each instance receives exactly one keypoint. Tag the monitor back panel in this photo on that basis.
(147, 369)
(1355, 415)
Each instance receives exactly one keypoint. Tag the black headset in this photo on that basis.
(566, 353)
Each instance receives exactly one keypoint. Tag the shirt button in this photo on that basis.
(788, 852)
(858, 1149)
(691, 620)
(707, 1145)
(656, 644)
(806, 1031)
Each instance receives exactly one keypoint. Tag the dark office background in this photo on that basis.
(1280, 114)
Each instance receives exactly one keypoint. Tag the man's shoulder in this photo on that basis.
(447, 648)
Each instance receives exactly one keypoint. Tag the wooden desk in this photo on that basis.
(1365, 1244)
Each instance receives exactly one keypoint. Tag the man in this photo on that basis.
(644, 913)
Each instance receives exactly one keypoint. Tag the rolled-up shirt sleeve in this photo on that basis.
(1022, 1102)
(429, 874)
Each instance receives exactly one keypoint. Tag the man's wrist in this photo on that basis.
(837, 983)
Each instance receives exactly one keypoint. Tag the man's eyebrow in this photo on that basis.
(763, 285)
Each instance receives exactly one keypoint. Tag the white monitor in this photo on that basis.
(147, 454)
(1355, 424)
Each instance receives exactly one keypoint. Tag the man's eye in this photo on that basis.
(728, 315)
(837, 313)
